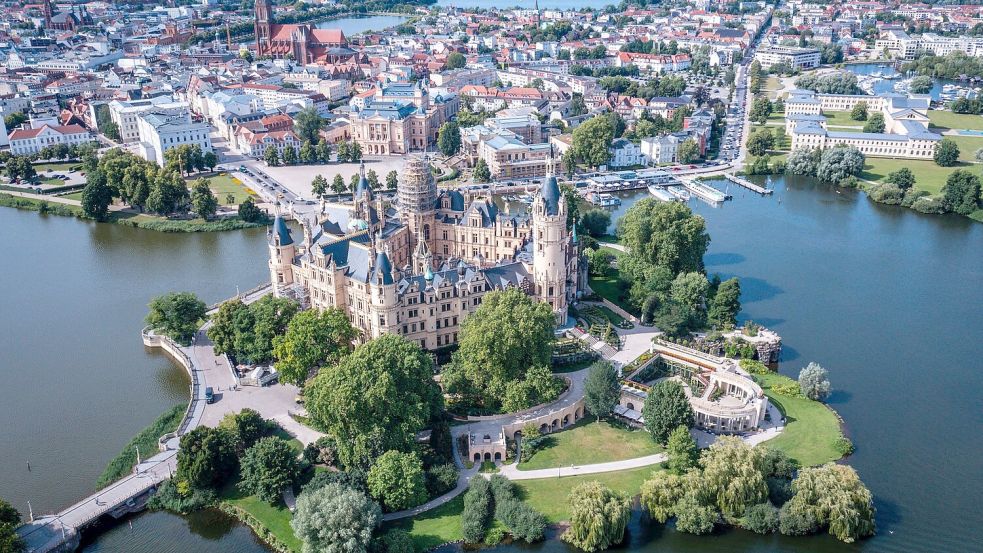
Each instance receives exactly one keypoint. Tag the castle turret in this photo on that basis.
(282, 252)
(417, 193)
(549, 238)
(384, 302)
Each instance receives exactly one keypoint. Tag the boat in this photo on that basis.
(679, 192)
(525, 199)
(603, 200)
(661, 194)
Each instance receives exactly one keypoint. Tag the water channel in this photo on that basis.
(887, 299)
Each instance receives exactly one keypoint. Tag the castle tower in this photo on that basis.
(422, 258)
(263, 26)
(549, 240)
(384, 302)
(417, 194)
(282, 252)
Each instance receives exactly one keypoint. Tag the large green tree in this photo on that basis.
(335, 519)
(838, 163)
(246, 428)
(591, 140)
(598, 517)
(946, 152)
(314, 339)
(376, 399)
(682, 451)
(835, 498)
(247, 332)
(664, 234)
(9, 521)
(733, 476)
(308, 123)
(206, 458)
(666, 408)
(875, 123)
(726, 304)
(961, 192)
(176, 315)
(96, 197)
(508, 334)
(661, 493)
(267, 468)
(396, 481)
(203, 201)
(449, 138)
(481, 171)
(601, 389)
(814, 382)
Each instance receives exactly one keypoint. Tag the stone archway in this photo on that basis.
(488, 456)
(498, 456)
(566, 420)
(544, 428)
(630, 406)
(477, 457)
(555, 424)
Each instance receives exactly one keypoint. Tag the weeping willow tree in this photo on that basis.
(598, 517)
(836, 498)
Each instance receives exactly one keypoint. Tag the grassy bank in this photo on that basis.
(149, 222)
(146, 441)
(590, 442)
(811, 430)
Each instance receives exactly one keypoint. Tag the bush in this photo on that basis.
(323, 478)
(495, 536)
(928, 204)
(843, 446)
(761, 518)
(397, 541)
(523, 522)
(796, 522)
(477, 510)
(911, 196)
(779, 490)
(885, 193)
(177, 496)
(441, 479)
(324, 451)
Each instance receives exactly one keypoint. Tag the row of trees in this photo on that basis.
(487, 500)
(309, 152)
(759, 489)
(960, 193)
(320, 185)
(832, 165)
(842, 82)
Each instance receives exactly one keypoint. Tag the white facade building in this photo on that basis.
(162, 131)
(25, 142)
(796, 58)
(125, 114)
(660, 149)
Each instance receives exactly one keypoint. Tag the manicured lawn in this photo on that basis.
(967, 146)
(223, 184)
(44, 167)
(73, 196)
(771, 85)
(610, 288)
(436, 527)
(928, 176)
(275, 518)
(611, 251)
(550, 495)
(590, 442)
(949, 120)
(811, 428)
(294, 443)
(841, 119)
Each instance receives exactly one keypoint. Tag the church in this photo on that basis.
(419, 268)
(302, 43)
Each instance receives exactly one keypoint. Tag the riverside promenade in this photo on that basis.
(59, 532)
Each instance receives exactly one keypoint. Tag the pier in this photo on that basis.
(748, 184)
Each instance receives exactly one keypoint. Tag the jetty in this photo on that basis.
(748, 184)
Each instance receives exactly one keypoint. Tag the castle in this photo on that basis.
(418, 268)
(303, 43)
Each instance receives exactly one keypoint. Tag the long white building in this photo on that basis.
(161, 131)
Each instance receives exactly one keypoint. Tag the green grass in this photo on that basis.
(610, 288)
(949, 120)
(590, 442)
(146, 441)
(771, 86)
(550, 495)
(73, 196)
(435, 527)
(45, 167)
(610, 238)
(275, 518)
(223, 184)
(967, 146)
(928, 176)
(811, 428)
(841, 119)
(294, 443)
(611, 251)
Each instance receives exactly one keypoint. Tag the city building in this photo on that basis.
(162, 130)
(25, 142)
(399, 118)
(796, 58)
(303, 43)
(418, 270)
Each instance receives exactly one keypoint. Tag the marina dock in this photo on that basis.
(748, 184)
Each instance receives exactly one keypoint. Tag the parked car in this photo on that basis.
(209, 395)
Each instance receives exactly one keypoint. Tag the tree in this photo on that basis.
(875, 123)
(688, 151)
(449, 138)
(477, 511)
(726, 304)
(176, 315)
(373, 179)
(249, 212)
(10, 541)
(323, 151)
(598, 517)
(245, 427)
(210, 160)
(271, 156)
(267, 468)
(814, 382)
(356, 402)
(760, 142)
(481, 172)
(760, 110)
(598, 261)
(666, 408)
(682, 451)
(338, 184)
(961, 192)
(577, 105)
(859, 112)
(14, 120)
(307, 152)
(335, 519)
(344, 149)
(392, 180)
(308, 123)
(499, 342)
(289, 155)
(690, 290)
(661, 493)
(591, 140)
(203, 201)
(601, 389)
(398, 541)
(922, 84)
(396, 481)
(355, 152)
(760, 519)
(353, 182)
(314, 338)
(664, 234)
(206, 457)
(455, 60)
(834, 497)
(946, 152)
(979, 155)
(595, 222)
(111, 130)
(903, 178)
(692, 517)
(96, 197)
(319, 186)
(732, 477)
(838, 163)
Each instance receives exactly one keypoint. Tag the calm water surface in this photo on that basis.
(354, 25)
(888, 300)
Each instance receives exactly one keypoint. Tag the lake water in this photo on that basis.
(524, 4)
(355, 25)
(885, 298)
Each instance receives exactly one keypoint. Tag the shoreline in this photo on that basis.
(45, 207)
